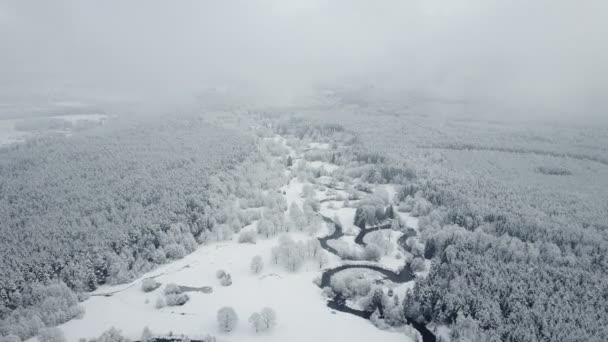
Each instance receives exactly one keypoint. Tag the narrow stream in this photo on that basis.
(338, 303)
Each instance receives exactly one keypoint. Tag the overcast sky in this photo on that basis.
(550, 55)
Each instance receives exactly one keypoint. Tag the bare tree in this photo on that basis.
(269, 317)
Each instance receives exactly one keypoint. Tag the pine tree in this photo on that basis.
(360, 218)
(390, 212)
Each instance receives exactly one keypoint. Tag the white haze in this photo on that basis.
(537, 57)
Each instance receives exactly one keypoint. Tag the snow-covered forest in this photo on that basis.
(303, 170)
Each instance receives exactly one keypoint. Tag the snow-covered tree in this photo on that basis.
(146, 335)
(297, 216)
(149, 284)
(372, 252)
(266, 227)
(257, 264)
(269, 317)
(256, 322)
(390, 212)
(176, 299)
(247, 236)
(112, 335)
(226, 280)
(172, 289)
(381, 238)
(322, 259)
(360, 218)
(418, 265)
(313, 247)
(377, 320)
(227, 319)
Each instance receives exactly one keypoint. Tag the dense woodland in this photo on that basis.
(512, 261)
(107, 204)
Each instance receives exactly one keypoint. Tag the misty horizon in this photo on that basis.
(525, 59)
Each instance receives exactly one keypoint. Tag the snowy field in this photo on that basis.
(301, 309)
(302, 314)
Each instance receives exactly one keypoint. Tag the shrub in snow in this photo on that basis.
(421, 206)
(227, 319)
(393, 315)
(346, 250)
(176, 299)
(257, 264)
(313, 203)
(209, 338)
(175, 251)
(51, 335)
(247, 236)
(227, 280)
(266, 228)
(418, 265)
(377, 321)
(220, 274)
(160, 303)
(146, 335)
(374, 300)
(398, 256)
(112, 335)
(372, 252)
(149, 285)
(351, 284)
(172, 289)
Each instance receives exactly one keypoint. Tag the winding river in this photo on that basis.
(338, 302)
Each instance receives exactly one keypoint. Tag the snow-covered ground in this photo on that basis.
(300, 307)
(302, 314)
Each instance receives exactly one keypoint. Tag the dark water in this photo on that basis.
(338, 302)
